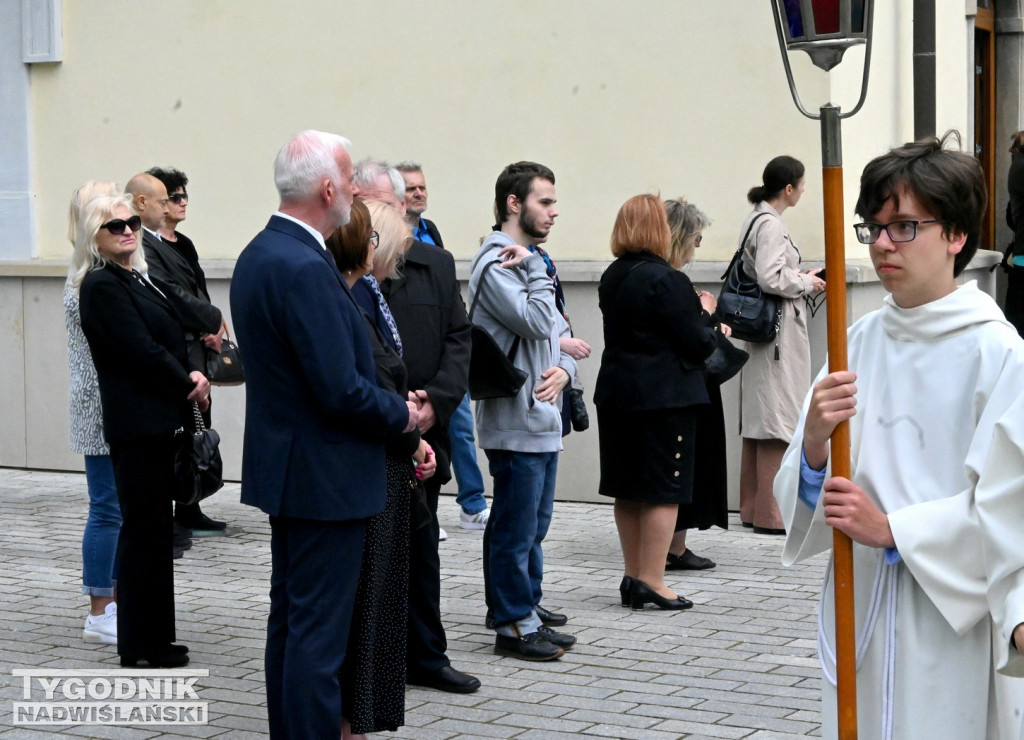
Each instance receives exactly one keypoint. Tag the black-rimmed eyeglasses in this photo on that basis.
(178, 198)
(898, 231)
(374, 239)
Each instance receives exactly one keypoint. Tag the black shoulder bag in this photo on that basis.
(752, 314)
(492, 373)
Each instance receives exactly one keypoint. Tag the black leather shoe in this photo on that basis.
(533, 646)
(768, 530)
(624, 588)
(181, 537)
(550, 618)
(644, 594)
(167, 657)
(558, 639)
(689, 560)
(445, 679)
(199, 522)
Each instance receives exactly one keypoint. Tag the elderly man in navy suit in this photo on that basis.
(313, 457)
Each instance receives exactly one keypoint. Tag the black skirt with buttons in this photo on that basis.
(647, 456)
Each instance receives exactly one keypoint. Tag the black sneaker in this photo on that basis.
(533, 646)
(558, 639)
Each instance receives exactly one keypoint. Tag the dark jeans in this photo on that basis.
(524, 497)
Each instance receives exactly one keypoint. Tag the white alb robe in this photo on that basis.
(1000, 503)
(932, 381)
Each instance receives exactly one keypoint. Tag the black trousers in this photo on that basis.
(144, 473)
(1014, 305)
(427, 643)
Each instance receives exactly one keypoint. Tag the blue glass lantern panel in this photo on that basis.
(857, 16)
(794, 20)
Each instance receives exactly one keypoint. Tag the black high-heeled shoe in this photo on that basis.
(624, 589)
(642, 594)
(170, 656)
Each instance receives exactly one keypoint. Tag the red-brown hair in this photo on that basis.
(641, 226)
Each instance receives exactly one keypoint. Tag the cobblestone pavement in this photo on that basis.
(740, 664)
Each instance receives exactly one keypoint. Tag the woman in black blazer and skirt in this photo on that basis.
(146, 390)
(657, 334)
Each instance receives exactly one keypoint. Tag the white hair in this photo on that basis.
(87, 256)
(368, 170)
(305, 161)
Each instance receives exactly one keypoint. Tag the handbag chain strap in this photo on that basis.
(200, 426)
(514, 349)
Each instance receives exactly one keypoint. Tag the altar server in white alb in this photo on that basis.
(1001, 512)
(930, 373)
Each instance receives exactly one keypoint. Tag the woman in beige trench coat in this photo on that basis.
(775, 380)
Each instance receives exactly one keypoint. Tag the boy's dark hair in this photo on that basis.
(517, 179)
(949, 185)
(171, 178)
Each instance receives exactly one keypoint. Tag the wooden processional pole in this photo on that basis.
(839, 454)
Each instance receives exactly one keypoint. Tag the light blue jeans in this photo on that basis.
(467, 472)
(102, 528)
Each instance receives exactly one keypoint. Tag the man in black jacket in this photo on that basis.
(431, 317)
(199, 317)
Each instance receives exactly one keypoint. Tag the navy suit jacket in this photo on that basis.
(315, 419)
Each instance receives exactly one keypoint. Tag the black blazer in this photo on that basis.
(431, 318)
(186, 282)
(656, 336)
(138, 347)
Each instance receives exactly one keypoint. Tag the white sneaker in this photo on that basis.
(102, 628)
(441, 534)
(474, 521)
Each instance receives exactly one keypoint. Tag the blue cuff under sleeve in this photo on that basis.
(811, 481)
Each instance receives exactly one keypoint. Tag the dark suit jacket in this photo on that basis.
(187, 284)
(315, 419)
(138, 348)
(656, 336)
(431, 317)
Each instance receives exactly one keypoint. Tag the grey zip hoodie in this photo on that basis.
(519, 301)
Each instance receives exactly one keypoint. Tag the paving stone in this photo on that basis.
(741, 664)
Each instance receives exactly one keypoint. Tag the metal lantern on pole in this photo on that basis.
(825, 29)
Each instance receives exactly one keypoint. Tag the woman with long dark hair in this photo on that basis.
(775, 379)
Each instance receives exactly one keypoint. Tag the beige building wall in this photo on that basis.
(618, 98)
(682, 97)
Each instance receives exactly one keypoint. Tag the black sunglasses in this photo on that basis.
(178, 198)
(118, 225)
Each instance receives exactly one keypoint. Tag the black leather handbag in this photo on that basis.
(492, 373)
(198, 467)
(225, 367)
(727, 360)
(752, 314)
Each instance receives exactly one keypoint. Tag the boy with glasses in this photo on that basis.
(930, 373)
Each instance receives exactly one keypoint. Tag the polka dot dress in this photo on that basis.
(373, 678)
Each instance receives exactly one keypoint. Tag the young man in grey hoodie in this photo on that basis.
(521, 435)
